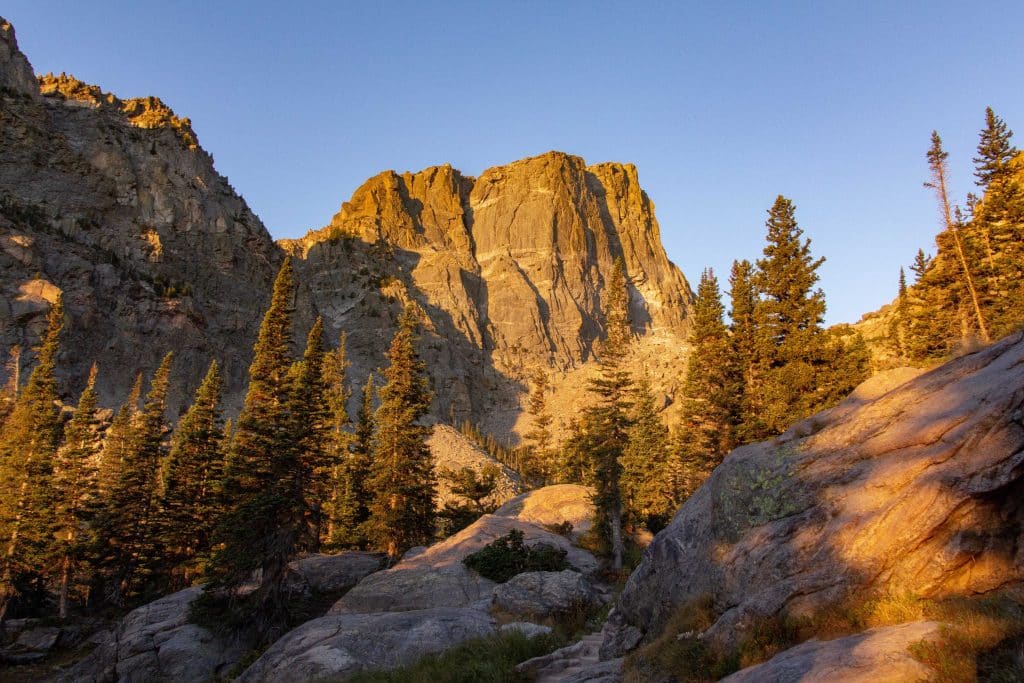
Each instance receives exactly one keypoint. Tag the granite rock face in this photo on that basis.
(156, 642)
(880, 655)
(436, 577)
(539, 595)
(915, 487)
(113, 204)
(339, 645)
(453, 452)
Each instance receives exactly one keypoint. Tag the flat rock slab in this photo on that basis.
(340, 645)
(880, 655)
(554, 505)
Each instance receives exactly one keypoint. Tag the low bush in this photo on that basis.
(509, 555)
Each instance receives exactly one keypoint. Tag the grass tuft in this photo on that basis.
(481, 660)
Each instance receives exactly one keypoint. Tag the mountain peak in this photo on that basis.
(16, 73)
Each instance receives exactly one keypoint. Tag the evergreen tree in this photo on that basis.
(75, 494)
(714, 383)
(402, 480)
(898, 328)
(743, 344)
(307, 480)
(645, 463)
(607, 423)
(258, 531)
(353, 509)
(788, 317)
(539, 438)
(118, 441)
(994, 150)
(28, 444)
(921, 264)
(937, 164)
(190, 503)
(127, 528)
(339, 438)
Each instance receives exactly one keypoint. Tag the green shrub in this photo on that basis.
(508, 556)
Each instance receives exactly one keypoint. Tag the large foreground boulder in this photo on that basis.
(915, 488)
(539, 595)
(436, 576)
(881, 655)
(340, 645)
(156, 642)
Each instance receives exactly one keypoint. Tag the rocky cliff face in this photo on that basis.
(113, 203)
(509, 267)
(906, 486)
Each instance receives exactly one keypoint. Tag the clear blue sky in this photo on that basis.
(721, 106)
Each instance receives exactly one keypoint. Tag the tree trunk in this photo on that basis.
(616, 536)
(65, 573)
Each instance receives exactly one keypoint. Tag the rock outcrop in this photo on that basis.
(880, 655)
(539, 595)
(916, 489)
(157, 642)
(339, 645)
(436, 576)
(16, 74)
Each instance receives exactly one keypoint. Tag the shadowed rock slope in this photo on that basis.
(913, 488)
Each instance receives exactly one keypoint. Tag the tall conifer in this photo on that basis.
(127, 527)
(788, 316)
(352, 508)
(75, 493)
(402, 480)
(190, 504)
(28, 444)
(608, 421)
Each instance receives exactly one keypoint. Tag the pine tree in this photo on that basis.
(307, 479)
(607, 423)
(994, 151)
(743, 344)
(75, 494)
(714, 382)
(788, 318)
(352, 509)
(28, 444)
(921, 264)
(190, 501)
(402, 480)
(339, 438)
(127, 528)
(258, 482)
(937, 164)
(539, 438)
(645, 463)
(118, 441)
